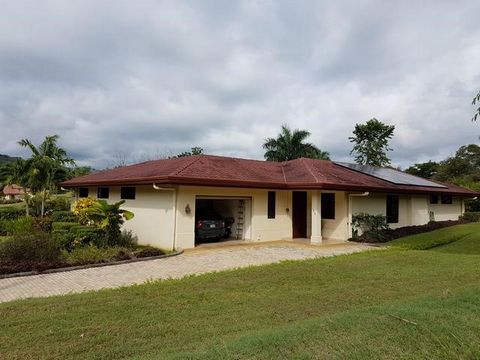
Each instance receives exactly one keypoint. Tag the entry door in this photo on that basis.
(299, 214)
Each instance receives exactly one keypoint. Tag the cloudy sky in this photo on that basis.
(137, 79)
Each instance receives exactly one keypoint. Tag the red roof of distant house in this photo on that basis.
(208, 170)
(13, 190)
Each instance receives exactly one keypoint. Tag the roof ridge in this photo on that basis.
(194, 160)
(282, 166)
(309, 169)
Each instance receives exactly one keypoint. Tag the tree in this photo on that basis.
(109, 217)
(425, 170)
(476, 101)
(47, 166)
(193, 151)
(289, 145)
(371, 143)
(465, 163)
(18, 173)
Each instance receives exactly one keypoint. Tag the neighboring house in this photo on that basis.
(302, 198)
(13, 192)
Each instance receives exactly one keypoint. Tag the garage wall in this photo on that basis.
(262, 228)
(153, 210)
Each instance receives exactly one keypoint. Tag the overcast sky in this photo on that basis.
(141, 79)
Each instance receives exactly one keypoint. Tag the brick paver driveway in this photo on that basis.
(191, 262)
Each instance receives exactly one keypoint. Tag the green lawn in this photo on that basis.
(387, 304)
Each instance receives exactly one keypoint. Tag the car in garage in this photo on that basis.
(209, 225)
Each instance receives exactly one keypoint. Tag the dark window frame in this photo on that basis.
(393, 209)
(447, 199)
(124, 195)
(271, 204)
(433, 199)
(83, 192)
(101, 195)
(328, 206)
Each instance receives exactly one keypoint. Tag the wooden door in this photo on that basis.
(299, 214)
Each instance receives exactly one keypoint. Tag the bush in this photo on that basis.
(92, 255)
(64, 238)
(391, 234)
(24, 224)
(148, 252)
(10, 201)
(63, 216)
(473, 216)
(84, 235)
(11, 213)
(63, 225)
(30, 247)
(127, 239)
(59, 203)
(370, 225)
(80, 209)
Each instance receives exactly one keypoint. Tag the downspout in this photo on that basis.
(350, 215)
(155, 187)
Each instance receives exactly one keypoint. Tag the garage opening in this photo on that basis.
(222, 219)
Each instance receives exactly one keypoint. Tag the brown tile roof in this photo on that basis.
(208, 170)
(13, 190)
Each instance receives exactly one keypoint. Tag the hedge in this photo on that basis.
(63, 216)
(63, 225)
(11, 213)
(472, 216)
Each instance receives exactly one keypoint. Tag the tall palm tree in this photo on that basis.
(48, 166)
(291, 145)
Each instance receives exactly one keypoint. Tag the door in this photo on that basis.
(299, 214)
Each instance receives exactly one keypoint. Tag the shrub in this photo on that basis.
(63, 225)
(10, 201)
(371, 225)
(148, 252)
(473, 216)
(64, 238)
(80, 209)
(11, 213)
(85, 234)
(59, 203)
(35, 246)
(24, 224)
(63, 216)
(127, 239)
(91, 254)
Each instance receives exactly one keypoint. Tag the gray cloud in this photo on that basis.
(115, 78)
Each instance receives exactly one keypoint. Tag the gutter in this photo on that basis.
(175, 197)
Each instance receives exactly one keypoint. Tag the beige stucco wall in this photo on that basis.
(447, 211)
(261, 228)
(154, 217)
(337, 229)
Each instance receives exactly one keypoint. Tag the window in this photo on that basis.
(433, 199)
(328, 206)
(103, 193)
(271, 204)
(127, 193)
(446, 199)
(392, 209)
(83, 192)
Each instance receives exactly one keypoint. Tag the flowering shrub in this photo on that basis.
(80, 209)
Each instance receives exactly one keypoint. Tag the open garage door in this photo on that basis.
(222, 218)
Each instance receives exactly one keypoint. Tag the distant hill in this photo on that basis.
(5, 159)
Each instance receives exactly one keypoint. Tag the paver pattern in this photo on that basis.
(191, 262)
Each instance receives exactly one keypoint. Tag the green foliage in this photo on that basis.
(437, 238)
(5, 159)
(371, 143)
(475, 101)
(473, 216)
(32, 246)
(59, 203)
(193, 151)
(63, 225)
(290, 145)
(425, 170)
(10, 201)
(80, 209)
(24, 224)
(91, 254)
(127, 239)
(11, 213)
(109, 217)
(63, 216)
(372, 225)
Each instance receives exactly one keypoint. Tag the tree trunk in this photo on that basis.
(42, 210)
(25, 197)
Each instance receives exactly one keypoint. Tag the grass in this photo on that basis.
(382, 304)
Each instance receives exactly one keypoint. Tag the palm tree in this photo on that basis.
(18, 173)
(109, 217)
(48, 166)
(290, 145)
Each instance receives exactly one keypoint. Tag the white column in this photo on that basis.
(316, 233)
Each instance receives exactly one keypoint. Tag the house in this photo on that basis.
(13, 192)
(302, 198)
